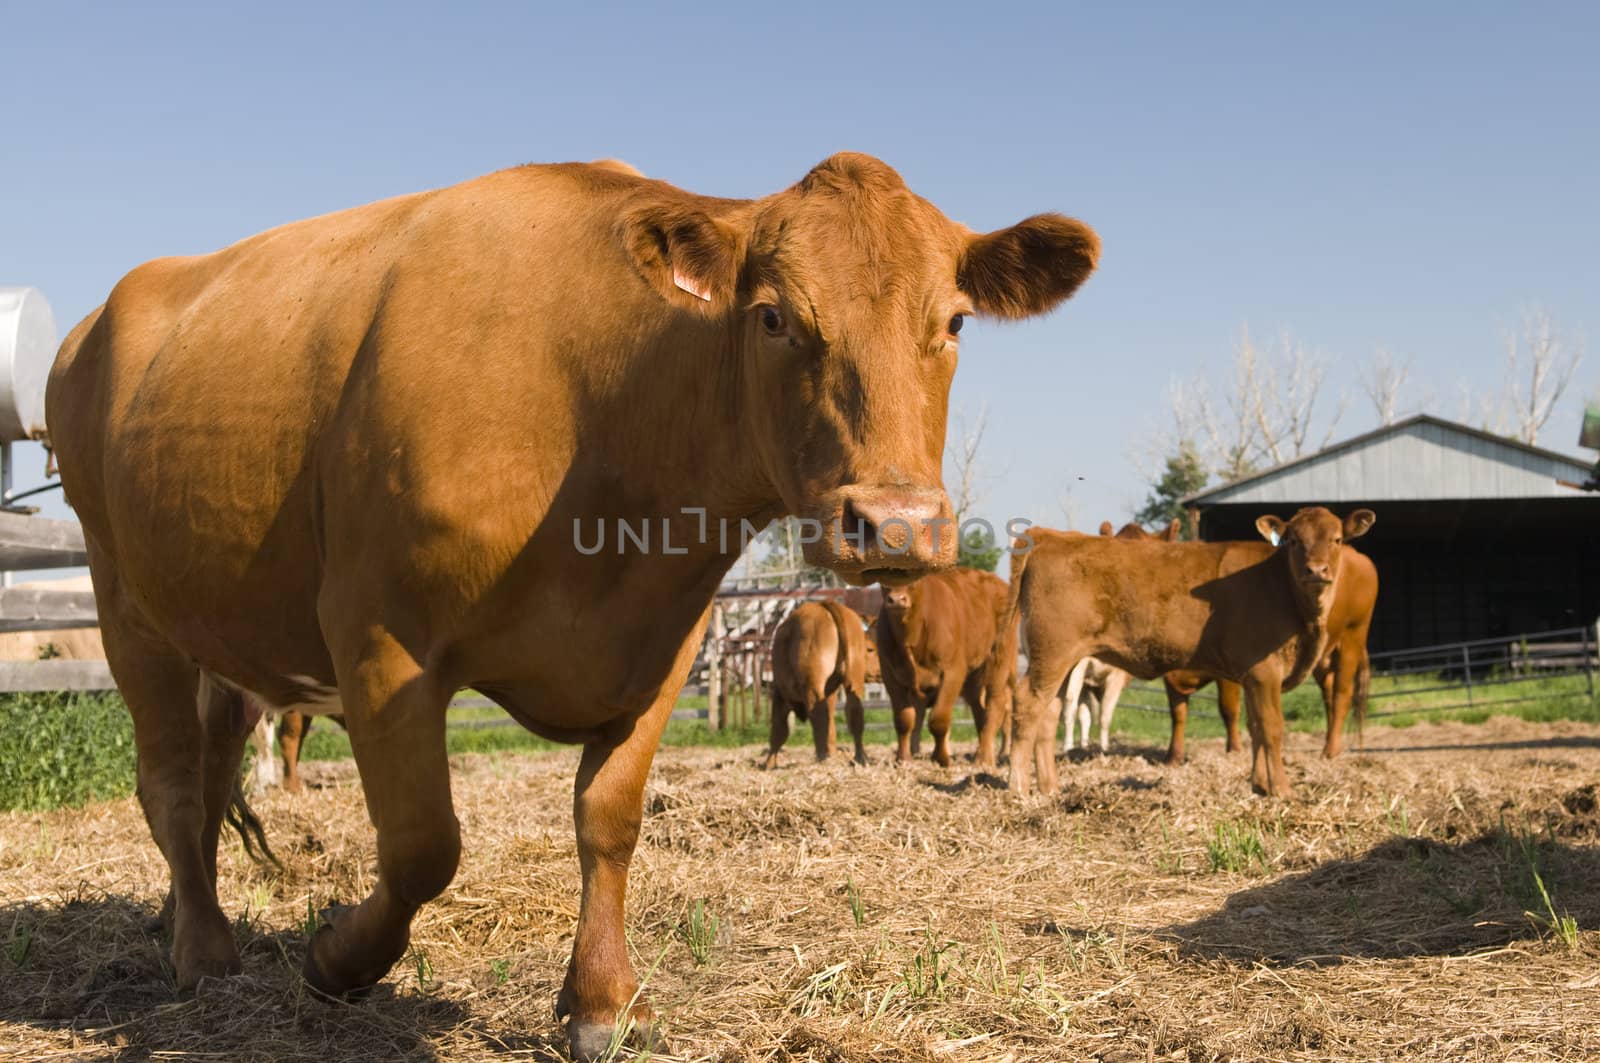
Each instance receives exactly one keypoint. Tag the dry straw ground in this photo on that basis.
(830, 913)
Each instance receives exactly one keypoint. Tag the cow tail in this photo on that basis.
(1008, 618)
(248, 826)
(1363, 682)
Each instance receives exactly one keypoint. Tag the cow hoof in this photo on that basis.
(589, 1041)
(770, 763)
(331, 974)
(204, 952)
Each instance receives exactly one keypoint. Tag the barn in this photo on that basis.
(1478, 536)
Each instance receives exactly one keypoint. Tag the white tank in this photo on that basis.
(27, 347)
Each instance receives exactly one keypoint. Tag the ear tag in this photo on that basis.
(1274, 539)
(690, 285)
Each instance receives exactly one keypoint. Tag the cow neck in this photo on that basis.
(1313, 615)
(694, 442)
(909, 630)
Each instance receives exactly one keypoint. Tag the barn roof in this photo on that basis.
(1421, 457)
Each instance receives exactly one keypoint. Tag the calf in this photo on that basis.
(1157, 607)
(1342, 674)
(819, 651)
(948, 635)
(1095, 681)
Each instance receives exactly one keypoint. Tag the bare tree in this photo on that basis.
(1270, 413)
(1282, 395)
(1540, 364)
(1382, 382)
(963, 456)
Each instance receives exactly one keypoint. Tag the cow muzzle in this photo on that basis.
(884, 534)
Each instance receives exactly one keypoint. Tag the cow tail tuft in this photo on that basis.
(248, 826)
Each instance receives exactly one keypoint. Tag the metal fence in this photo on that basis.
(1479, 674)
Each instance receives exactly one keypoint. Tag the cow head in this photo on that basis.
(1313, 541)
(897, 600)
(844, 298)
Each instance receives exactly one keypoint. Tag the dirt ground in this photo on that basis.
(828, 913)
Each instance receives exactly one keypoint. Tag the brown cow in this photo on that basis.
(1342, 675)
(818, 652)
(1094, 680)
(1156, 607)
(941, 638)
(363, 461)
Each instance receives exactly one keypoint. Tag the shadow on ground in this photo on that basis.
(1404, 898)
(86, 972)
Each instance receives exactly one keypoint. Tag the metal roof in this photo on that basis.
(1421, 457)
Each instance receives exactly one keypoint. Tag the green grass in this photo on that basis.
(61, 750)
(1397, 703)
(65, 749)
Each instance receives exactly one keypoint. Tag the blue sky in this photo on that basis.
(1400, 175)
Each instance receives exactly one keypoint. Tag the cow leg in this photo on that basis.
(1091, 712)
(1228, 693)
(177, 748)
(1033, 729)
(1264, 707)
(1109, 697)
(856, 717)
(265, 775)
(1072, 698)
(395, 713)
(780, 732)
(1337, 692)
(1178, 709)
(600, 988)
(916, 731)
(907, 720)
(824, 732)
(939, 720)
(292, 730)
(988, 713)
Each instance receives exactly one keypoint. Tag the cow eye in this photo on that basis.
(956, 323)
(772, 320)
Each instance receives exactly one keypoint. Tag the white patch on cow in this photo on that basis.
(690, 285)
(1273, 538)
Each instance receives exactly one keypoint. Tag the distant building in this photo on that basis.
(1478, 536)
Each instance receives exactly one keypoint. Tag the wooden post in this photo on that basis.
(714, 669)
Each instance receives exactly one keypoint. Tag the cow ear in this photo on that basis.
(1105, 527)
(1028, 268)
(1357, 523)
(1172, 534)
(1271, 528)
(681, 252)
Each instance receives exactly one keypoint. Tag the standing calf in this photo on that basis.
(1153, 607)
(819, 650)
(1343, 674)
(945, 636)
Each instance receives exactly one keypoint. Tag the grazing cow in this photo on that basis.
(1094, 681)
(818, 652)
(940, 638)
(1157, 607)
(1342, 675)
(502, 435)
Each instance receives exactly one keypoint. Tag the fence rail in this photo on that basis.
(1484, 673)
